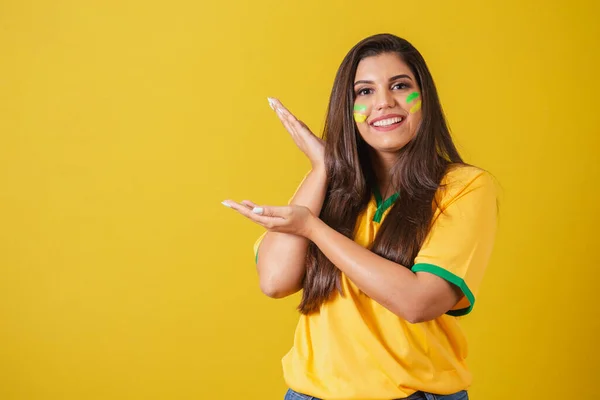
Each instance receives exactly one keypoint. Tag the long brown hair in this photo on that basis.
(417, 174)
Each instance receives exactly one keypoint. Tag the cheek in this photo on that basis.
(363, 130)
(413, 102)
(414, 123)
(359, 118)
(415, 108)
(360, 113)
(416, 120)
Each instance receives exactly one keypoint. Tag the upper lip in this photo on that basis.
(387, 116)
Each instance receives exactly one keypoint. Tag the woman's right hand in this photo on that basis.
(307, 142)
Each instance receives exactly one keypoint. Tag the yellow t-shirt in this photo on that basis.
(354, 348)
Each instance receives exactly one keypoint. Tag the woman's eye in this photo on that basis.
(365, 91)
(400, 85)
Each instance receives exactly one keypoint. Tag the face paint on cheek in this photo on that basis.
(416, 107)
(360, 118)
(411, 97)
(358, 113)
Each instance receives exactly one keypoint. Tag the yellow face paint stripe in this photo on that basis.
(358, 109)
(360, 117)
(416, 107)
(411, 97)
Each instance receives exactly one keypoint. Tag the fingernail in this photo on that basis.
(257, 210)
(271, 103)
(225, 204)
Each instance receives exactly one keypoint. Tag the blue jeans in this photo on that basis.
(462, 395)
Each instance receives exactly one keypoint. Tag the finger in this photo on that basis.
(258, 211)
(254, 214)
(289, 127)
(301, 128)
(285, 117)
(272, 218)
(297, 125)
(249, 204)
(272, 211)
(241, 208)
(280, 108)
(296, 128)
(277, 104)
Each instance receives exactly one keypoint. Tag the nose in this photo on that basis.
(384, 99)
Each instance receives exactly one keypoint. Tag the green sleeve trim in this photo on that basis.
(450, 277)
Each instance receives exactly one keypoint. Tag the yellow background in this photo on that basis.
(123, 124)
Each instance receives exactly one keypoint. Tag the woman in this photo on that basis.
(388, 236)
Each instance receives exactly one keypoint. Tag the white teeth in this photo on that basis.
(387, 122)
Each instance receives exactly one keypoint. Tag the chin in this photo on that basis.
(388, 146)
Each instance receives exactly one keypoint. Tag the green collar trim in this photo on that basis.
(382, 206)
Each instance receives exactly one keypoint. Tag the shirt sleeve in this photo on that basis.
(459, 244)
(257, 245)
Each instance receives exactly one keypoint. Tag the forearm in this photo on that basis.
(282, 256)
(406, 294)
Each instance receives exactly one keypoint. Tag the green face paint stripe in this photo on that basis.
(412, 96)
(360, 108)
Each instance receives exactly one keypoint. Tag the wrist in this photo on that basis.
(319, 169)
(313, 225)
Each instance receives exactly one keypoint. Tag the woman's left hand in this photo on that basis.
(292, 219)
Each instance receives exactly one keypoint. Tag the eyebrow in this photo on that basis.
(393, 78)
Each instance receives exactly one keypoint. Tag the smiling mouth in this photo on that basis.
(384, 123)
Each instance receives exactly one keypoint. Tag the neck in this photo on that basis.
(382, 165)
